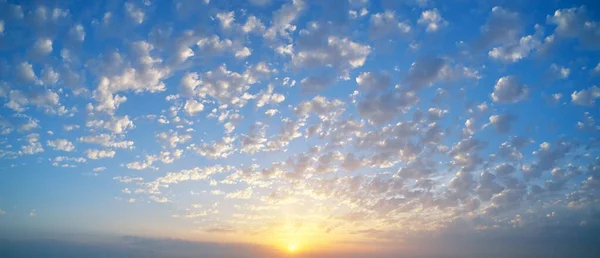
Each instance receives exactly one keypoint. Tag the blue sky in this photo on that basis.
(337, 125)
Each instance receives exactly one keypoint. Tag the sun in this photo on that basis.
(291, 248)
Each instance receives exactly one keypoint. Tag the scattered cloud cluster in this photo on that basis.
(222, 121)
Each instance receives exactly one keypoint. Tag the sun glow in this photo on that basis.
(291, 248)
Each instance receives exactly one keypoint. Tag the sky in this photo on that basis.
(276, 128)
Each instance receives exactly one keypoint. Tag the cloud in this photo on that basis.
(433, 20)
(502, 26)
(33, 145)
(509, 89)
(283, 18)
(298, 103)
(316, 49)
(42, 46)
(192, 107)
(586, 97)
(502, 122)
(61, 144)
(514, 52)
(134, 13)
(386, 24)
(114, 124)
(99, 154)
(24, 71)
(575, 23)
(106, 140)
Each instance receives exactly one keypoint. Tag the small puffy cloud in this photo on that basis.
(425, 71)
(260, 2)
(559, 71)
(159, 199)
(369, 81)
(509, 89)
(241, 194)
(99, 169)
(188, 84)
(313, 84)
(115, 124)
(515, 51)
(586, 97)
(192, 107)
(24, 71)
(386, 24)
(32, 146)
(271, 112)
(253, 25)
(596, 69)
(501, 122)
(433, 20)
(49, 76)
(226, 19)
(317, 48)
(77, 33)
(266, 97)
(99, 154)
(281, 24)
(61, 144)
(134, 13)
(242, 53)
(575, 23)
(42, 46)
(502, 26)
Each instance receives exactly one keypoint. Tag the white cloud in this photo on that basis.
(266, 97)
(172, 139)
(586, 97)
(509, 89)
(502, 122)
(341, 54)
(115, 124)
(33, 145)
(106, 140)
(575, 23)
(192, 107)
(49, 76)
(243, 53)
(433, 20)
(159, 199)
(25, 73)
(253, 25)
(281, 24)
(226, 19)
(386, 24)
(42, 46)
(313, 84)
(61, 144)
(99, 169)
(77, 33)
(99, 154)
(260, 2)
(502, 26)
(369, 81)
(135, 14)
(241, 194)
(515, 51)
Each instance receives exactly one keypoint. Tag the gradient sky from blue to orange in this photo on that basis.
(338, 127)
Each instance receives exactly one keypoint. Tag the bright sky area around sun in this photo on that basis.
(269, 128)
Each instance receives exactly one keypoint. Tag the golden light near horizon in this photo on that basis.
(292, 248)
